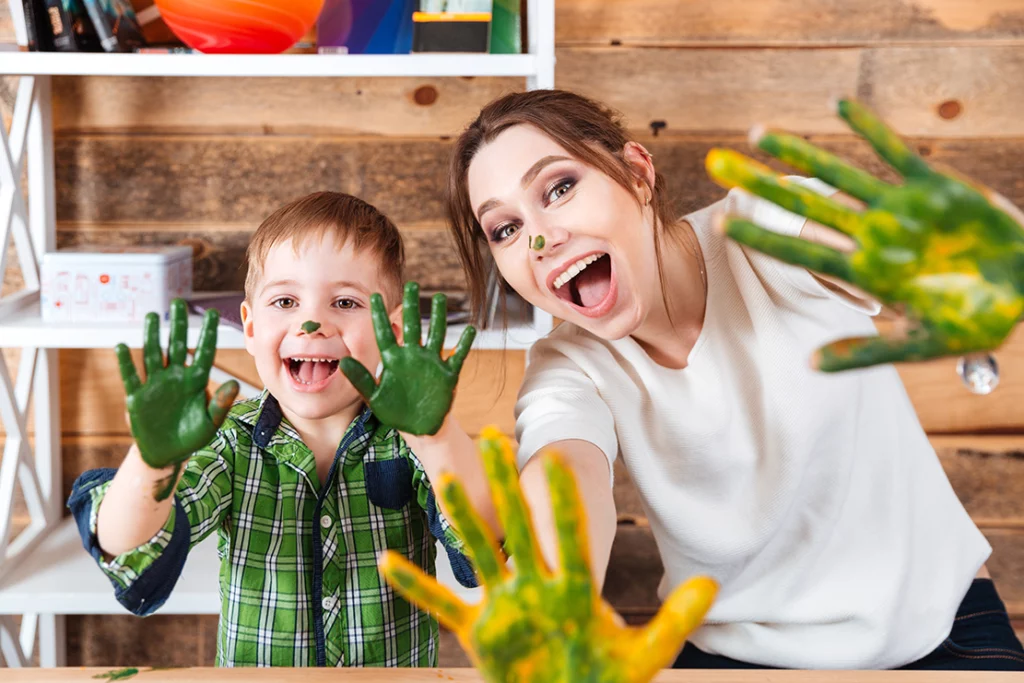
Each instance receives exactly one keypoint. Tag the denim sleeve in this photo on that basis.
(439, 525)
(143, 577)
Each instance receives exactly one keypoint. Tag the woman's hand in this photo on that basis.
(946, 252)
(536, 624)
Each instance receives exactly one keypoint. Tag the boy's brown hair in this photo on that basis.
(346, 219)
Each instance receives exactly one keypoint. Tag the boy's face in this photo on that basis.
(326, 283)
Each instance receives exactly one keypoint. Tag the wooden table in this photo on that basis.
(470, 676)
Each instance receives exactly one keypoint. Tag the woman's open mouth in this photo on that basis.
(311, 373)
(588, 284)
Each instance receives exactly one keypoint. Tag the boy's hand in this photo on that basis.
(939, 248)
(169, 413)
(539, 625)
(416, 386)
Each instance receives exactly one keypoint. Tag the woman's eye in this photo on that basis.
(560, 189)
(346, 304)
(503, 232)
(283, 302)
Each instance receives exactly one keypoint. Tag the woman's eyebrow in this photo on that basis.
(527, 178)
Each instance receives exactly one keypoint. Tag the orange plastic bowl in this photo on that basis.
(240, 26)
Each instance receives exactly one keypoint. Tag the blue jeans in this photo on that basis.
(981, 639)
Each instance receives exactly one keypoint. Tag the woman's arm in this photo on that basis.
(591, 469)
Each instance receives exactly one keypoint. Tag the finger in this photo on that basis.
(885, 141)
(794, 250)
(360, 377)
(152, 356)
(382, 323)
(479, 542)
(797, 152)
(221, 402)
(177, 348)
(206, 347)
(499, 463)
(411, 330)
(462, 349)
(680, 615)
(732, 169)
(424, 591)
(863, 352)
(438, 323)
(129, 376)
(570, 523)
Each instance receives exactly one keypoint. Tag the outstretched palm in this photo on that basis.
(170, 416)
(937, 247)
(538, 625)
(416, 386)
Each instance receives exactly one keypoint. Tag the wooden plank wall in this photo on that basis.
(201, 161)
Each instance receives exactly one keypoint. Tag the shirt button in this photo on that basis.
(326, 521)
(327, 603)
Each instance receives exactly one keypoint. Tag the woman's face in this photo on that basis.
(597, 266)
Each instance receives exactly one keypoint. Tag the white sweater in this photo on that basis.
(814, 499)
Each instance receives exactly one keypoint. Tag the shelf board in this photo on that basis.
(59, 577)
(25, 328)
(290, 65)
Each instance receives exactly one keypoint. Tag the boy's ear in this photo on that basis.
(396, 323)
(248, 332)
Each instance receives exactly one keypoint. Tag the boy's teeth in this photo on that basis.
(575, 269)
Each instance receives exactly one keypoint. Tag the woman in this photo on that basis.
(814, 499)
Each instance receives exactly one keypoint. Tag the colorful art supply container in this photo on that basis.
(366, 26)
(240, 26)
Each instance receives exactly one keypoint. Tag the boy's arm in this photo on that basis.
(144, 575)
(171, 420)
(450, 450)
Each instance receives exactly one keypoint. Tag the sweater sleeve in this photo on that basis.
(558, 401)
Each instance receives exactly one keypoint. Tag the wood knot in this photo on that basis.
(950, 109)
(425, 95)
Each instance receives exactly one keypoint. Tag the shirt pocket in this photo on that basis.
(388, 483)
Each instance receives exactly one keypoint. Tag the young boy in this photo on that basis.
(303, 485)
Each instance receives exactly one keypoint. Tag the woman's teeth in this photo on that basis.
(575, 269)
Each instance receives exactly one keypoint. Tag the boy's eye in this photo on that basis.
(346, 304)
(283, 302)
(559, 189)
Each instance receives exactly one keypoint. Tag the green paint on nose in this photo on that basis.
(309, 327)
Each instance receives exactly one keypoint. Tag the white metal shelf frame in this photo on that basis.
(42, 550)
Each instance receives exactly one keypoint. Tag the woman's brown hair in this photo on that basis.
(588, 130)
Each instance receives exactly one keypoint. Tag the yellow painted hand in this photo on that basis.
(537, 624)
(945, 251)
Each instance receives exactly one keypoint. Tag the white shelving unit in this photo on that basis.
(44, 573)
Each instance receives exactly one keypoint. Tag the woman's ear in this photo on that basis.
(642, 165)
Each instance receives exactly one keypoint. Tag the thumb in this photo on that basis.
(221, 402)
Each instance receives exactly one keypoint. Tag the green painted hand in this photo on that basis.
(537, 625)
(946, 252)
(169, 413)
(416, 386)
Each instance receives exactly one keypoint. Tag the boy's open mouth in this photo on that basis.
(586, 282)
(311, 371)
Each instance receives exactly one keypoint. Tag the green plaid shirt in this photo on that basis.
(256, 486)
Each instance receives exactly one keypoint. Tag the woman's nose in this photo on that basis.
(546, 240)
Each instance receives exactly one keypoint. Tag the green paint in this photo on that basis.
(537, 242)
(119, 674)
(534, 624)
(936, 247)
(309, 327)
(169, 414)
(416, 386)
